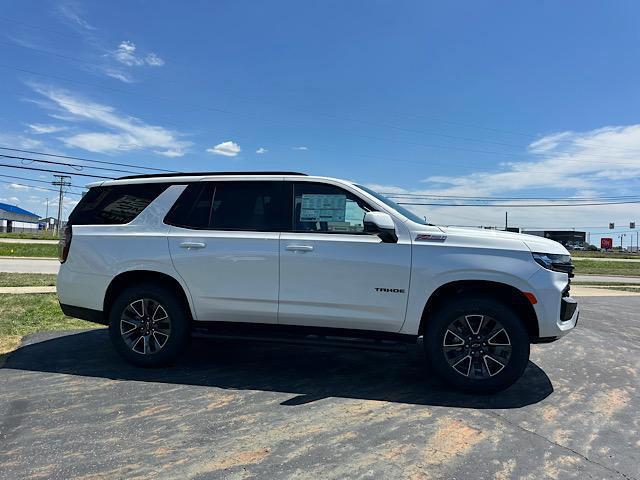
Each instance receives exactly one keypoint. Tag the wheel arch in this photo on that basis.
(502, 292)
(132, 277)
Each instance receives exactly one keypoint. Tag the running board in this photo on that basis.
(312, 340)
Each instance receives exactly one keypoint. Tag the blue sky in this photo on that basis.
(488, 99)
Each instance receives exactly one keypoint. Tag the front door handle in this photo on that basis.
(299, 248)
(190, 245)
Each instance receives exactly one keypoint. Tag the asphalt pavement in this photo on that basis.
(70, 408)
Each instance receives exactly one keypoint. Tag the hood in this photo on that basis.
(532, 242)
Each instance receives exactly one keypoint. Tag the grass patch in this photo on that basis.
(623, 289)
(27, 279)
(598, 267)
(28, 250)
(30, 236)
(24, 314)
(603, 255)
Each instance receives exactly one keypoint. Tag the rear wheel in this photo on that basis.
(477, 344)
(148, 325)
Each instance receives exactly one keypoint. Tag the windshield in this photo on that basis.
(398, 208)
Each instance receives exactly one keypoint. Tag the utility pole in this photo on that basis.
(506, 221)
(61, 181)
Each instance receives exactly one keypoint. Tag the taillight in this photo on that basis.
(64, 244)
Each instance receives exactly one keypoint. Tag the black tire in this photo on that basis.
(478, 362)
(159, 351)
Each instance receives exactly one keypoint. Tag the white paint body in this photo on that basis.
(308, 279)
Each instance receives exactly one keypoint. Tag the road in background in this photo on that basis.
(606, 279)
(29, 265)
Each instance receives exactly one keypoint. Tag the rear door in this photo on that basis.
(224, 243)
(332, 273)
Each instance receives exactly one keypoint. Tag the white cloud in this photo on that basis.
(227, 149)
(19, 141)
(154, 60)
(118, 75)
(126, 53)
(600, 162)
(122, 133)
(300, 148)
(39, 128)
(171, 153)
(11, 200)
(16, 186)
(261, 150)
(70, 12)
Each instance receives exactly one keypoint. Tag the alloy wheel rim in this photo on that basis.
(145, 326)
(477, 346)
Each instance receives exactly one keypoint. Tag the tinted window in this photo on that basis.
(325, 208)
(247, 206)
(117, 204)
(193, 207)
(252, 206)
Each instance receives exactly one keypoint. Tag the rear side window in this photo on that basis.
(116, 204)
(248, 206)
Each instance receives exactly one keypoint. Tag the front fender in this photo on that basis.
(436, 266)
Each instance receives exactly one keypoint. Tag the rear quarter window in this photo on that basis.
(115, 204)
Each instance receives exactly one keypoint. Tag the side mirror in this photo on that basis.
(381, 224)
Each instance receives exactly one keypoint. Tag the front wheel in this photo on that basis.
(148, 325)
(477, 344)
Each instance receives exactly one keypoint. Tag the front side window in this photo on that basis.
(323, 208)
(246, 206)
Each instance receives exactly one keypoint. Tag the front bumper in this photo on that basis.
(557, 312)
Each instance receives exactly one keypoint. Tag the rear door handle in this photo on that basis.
(195, 245)
(299, 248)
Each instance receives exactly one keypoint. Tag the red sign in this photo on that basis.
(606, 243)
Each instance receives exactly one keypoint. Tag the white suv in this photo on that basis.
(159, 257)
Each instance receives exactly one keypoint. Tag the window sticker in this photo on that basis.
(323, 208)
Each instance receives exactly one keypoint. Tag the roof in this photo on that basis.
(186, 177)
(207, 174)
(17, 210)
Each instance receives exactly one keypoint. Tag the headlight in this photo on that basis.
(555, 262)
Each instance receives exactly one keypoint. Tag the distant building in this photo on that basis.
(565, 237)
(49, 223)
(16, 219)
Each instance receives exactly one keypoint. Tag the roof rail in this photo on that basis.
(197, 174)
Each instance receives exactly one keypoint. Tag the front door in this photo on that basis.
(332, 273)
(224, 243)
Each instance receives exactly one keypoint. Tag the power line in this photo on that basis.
(21, 167)
(394, 159)
(72, 165)
(40, 188)
(462, 197)
(518, 205)
(84, 159)
(35, 180)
